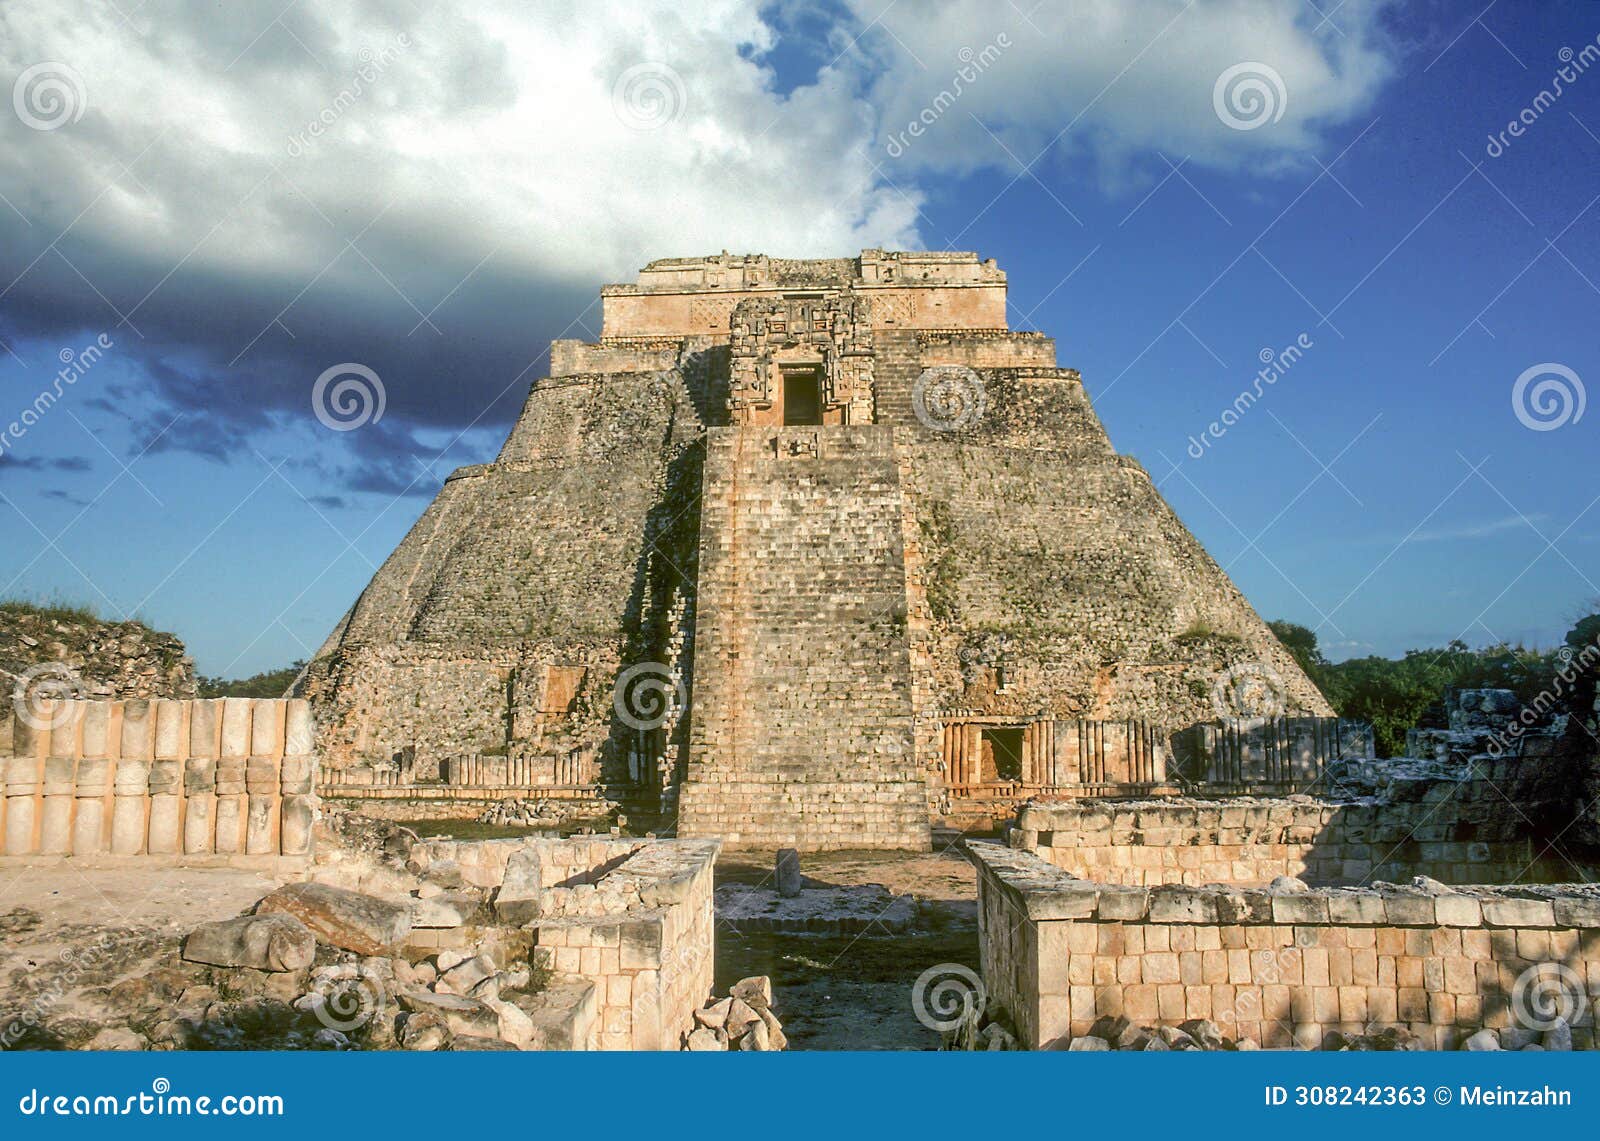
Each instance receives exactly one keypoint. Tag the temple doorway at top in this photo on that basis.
(802, 395)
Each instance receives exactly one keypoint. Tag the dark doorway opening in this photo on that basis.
(1002, 754)
(802, 396)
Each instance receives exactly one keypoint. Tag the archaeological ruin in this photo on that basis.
(802, 553)
(807, 618)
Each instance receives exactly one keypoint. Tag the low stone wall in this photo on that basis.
(1281, 969)
(1254, 840)
(230, 778)
(632, 916)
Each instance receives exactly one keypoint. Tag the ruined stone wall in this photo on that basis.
(802, 731)
(1250, 841)
(1279, 969)
(227, 780)
(634, 917)
(89, 658)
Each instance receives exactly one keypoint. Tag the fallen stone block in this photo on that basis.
(341, 918)
(263, 942)
(461, 1014)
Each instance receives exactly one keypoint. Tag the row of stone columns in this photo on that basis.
(174, 778)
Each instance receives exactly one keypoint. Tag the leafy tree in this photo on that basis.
(270, 683)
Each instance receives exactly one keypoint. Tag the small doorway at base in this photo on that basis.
(802, 396)
(1002, 753)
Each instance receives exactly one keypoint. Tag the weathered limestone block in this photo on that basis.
(261, 782)
(23, 774)
(55, 821)
(464, 1016)
(93, 786)
(519, 899)
(200, 807)
(345, 919)
(231, 804)
(273, 942)
(298, 824)
(130, 808)
(165, 830)
(169, 732)
(787, 877)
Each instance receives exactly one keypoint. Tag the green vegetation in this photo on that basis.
(272, 683)
(56, 611)
(1396, 694)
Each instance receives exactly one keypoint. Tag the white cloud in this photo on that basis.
(1109, 81)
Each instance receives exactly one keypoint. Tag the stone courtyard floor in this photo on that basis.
(853, 991)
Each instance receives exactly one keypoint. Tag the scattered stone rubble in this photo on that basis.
(521, 812)
(742, 1021)
(119, 660)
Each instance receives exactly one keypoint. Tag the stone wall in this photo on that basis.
(802, 731)
(1251, 841)
(634, 917)
(1278, 969)
(229, 779)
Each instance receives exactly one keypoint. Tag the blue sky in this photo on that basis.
(462, 209)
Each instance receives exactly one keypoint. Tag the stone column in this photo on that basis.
(130, 808)
(23, 772)
(55, 819)
(298, 776)
(166, 780)
(200, 778)
(231, 803)
(92, 781)
(261, 778)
